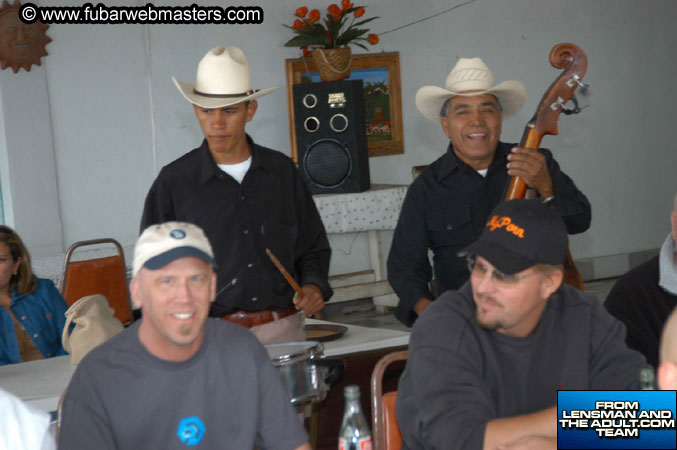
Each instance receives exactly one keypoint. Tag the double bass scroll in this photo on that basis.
(573, 60)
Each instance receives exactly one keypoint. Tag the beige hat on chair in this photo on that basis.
(470, 77)
(94, 322)
(223, 79)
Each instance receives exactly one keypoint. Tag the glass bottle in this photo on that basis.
(647, 379)
(355, 433)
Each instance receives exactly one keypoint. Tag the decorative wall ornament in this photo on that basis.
(21, 44)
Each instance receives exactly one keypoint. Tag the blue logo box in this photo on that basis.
(616, 419)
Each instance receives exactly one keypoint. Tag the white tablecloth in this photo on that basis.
(375, 209)
(38, 383)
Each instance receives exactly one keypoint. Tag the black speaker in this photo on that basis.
(331, 138)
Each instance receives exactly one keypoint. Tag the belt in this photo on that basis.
(252, 319)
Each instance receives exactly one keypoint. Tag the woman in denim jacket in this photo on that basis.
(31, 309)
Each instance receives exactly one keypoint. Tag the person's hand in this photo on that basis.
(421, 305)
(311, 301)
(530, 165)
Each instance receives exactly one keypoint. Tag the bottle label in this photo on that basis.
(362, 444)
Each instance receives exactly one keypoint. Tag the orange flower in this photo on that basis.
(301, 12)
(298, 25)
(346, 5)
(314, 16)
(306, 53)
(373, 39)
(359, 12)
(335, 11)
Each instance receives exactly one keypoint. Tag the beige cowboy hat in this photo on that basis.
(469, 77)
(223, 79)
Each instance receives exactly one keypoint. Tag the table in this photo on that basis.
(38, 383)
(375, 210)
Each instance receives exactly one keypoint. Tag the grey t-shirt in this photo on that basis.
(460, 376)
(227, 396)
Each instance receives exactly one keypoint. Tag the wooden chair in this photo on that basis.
(106, 276)
(385, 431)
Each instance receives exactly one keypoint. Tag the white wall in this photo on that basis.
(117, 118)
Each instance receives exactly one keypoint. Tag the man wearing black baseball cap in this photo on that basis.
(177, 378)
(486, 361)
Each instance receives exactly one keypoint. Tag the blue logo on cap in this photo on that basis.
(177, 234)
(191, 430)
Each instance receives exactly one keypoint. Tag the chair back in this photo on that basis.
(385, 431)
(106, 276)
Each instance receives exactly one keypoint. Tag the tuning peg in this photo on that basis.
(576, 80)
(584, 89)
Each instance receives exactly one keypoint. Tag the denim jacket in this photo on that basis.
(42, 314)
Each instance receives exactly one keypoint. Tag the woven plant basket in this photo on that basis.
(333, 64)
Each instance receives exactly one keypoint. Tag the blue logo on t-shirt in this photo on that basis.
(191, 430)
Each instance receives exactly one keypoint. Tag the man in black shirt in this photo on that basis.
(447, 205)
(247, 199)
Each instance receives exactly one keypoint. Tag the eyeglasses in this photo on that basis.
(479, 269)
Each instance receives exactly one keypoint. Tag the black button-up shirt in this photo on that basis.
(445, 210)
(272, 208)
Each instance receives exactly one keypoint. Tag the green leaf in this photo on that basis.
(357, 24)
(304, 41)
(350, 35)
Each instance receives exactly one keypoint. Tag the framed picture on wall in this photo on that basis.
(380, 73)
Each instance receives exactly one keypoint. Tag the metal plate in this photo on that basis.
(324, 333)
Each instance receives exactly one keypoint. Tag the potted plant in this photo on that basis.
(327, 40)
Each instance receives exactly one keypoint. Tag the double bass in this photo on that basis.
(574, 62)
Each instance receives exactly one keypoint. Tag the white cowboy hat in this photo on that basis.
(223, 79)
(469, 77)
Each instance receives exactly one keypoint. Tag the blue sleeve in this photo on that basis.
(59, 308)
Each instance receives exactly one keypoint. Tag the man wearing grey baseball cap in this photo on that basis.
(503, 344)
(168, 380)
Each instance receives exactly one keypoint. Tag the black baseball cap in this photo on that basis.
(520, 234)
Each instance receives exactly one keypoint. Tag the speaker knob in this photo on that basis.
(338, 123)
(311, 124)
(309, 100)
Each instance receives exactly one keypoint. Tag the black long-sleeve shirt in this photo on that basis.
(272, 208)
(445, 210)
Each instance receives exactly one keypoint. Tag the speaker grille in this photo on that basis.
(327, 163)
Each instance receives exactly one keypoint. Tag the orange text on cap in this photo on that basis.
(503, 221)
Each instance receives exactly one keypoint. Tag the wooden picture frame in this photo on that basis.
(385, 137)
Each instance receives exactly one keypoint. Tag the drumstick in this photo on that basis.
(292, 282)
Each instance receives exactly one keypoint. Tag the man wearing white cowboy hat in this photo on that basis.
(448, 204)
(247, 199)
